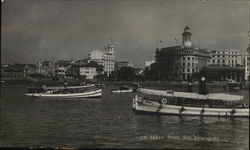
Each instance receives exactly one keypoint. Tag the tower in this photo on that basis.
(186, 37)
(111, 48)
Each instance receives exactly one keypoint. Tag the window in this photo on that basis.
(188, 58)
(188, 70)
(183, 64)
(188, 64)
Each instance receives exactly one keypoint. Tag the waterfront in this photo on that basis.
(109, 122)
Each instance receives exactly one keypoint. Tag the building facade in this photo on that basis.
(229, 58)
(148, 63)
(181, 62)
(246, 64)
(88, 72)
(105, 58)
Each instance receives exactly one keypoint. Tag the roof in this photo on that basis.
(94, 65)
(214, 96)
(66, 87)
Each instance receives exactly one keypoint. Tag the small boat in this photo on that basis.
(185, 103)
(85, 91)
(123, 89)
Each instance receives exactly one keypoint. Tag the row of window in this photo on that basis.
(223, 61)
(223, 52)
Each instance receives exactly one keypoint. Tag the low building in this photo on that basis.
(224, 73)
(148, 63)
(46, 68)
(120, 64)
(90, 70)
(73, 70)
(61, 71)
(17, 71)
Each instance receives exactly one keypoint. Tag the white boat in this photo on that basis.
(123, 89)
(65, 92)
(185, 103)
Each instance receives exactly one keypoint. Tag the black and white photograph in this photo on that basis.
(125, 74)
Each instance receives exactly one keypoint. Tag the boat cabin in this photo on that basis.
(62, 89)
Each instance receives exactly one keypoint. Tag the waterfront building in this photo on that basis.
(73, 70)
(105, 58)
(225, 73)
(229, 57)
(17, 71)
(181, 62)
(120, 64)
(46, 68)
(148, 63)
(61, 71)
(246, 64)
(90, 70)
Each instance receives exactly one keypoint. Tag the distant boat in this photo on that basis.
(123, 89)
(86, 91)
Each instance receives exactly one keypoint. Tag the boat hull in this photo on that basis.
(146, 106)
(91, 94)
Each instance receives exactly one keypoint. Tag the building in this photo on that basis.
(148, 63)
(17, 71)
(230, 58)
(224, 73)
(61, 71)
(181, 62)
(120, 64)
(73, 70)
(105, 58)
(47, 68)
(246, 64)
(90, 70)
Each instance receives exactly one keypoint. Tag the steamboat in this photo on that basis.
(188, 103)
(85, 91)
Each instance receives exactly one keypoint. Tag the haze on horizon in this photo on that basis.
(34, 30)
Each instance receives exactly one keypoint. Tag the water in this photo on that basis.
(109, 122)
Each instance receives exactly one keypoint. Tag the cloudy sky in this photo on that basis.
(34, 30)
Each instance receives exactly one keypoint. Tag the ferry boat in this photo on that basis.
(65, 92)
(188, 103)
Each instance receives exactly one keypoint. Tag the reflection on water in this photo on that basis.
(109, 122)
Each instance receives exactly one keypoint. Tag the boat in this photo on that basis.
(86, 91)
(171, 102)
(123, 89)
(185, 103)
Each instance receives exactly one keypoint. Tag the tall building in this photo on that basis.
(105, 58)
(181, 62)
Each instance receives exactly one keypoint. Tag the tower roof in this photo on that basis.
(187, 28)
(187, 31)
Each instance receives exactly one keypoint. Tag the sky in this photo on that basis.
(36, 30)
